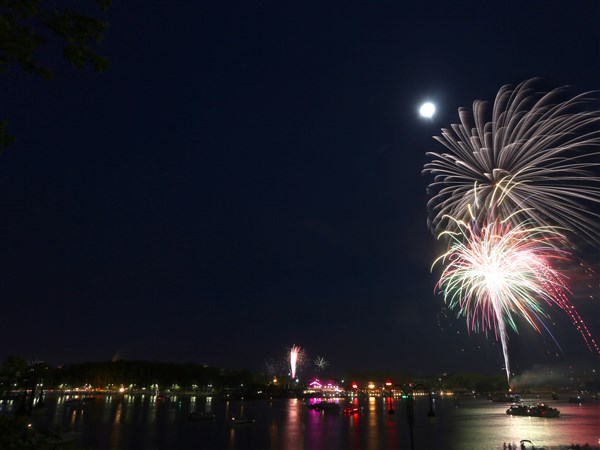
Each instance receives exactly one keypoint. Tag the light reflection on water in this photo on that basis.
(124, 422)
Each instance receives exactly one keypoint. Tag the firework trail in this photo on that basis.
(295, 356)
(499, 271)
(536, 155)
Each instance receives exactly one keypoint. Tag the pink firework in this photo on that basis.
(499, 271)
(295, 356)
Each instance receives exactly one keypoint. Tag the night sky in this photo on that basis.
(247, 177)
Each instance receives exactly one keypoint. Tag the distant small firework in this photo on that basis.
(270, 368)
(536, 154)
(295, 359)
(273, 367)
(321, 363)
(500, 270)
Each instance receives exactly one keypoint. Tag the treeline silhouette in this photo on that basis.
(17, 373)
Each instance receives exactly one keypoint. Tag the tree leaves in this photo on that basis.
(28, 25)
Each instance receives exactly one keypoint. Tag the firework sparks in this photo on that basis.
(535, 156)
(274, 367)
(321, 363)
(295, 356)
(500, 271)
(507, 192)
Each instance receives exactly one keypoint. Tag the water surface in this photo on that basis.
(140, 422)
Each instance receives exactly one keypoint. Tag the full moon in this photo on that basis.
(427, 110)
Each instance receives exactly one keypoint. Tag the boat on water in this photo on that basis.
(325, 406)
(537, 410)
(350, 410)
(201, 415)
(74, 403)
(505, 398)
(240, 421)
(524, 445)
(78, 402)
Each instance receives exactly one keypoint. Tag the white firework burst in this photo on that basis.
(321, 363)
(537, 154)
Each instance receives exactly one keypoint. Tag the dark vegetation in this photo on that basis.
(16, 373)
(30, 28)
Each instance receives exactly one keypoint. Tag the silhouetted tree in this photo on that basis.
(28, 25)
(12, 370)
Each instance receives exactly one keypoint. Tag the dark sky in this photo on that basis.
(248, 176)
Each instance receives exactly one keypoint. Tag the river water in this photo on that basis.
(140, 422)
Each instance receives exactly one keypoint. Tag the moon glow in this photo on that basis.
(427, 110)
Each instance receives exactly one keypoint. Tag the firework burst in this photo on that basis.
(510, 188)
(536, 155)
(499, 271)
(321, 363)
(295, 358)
